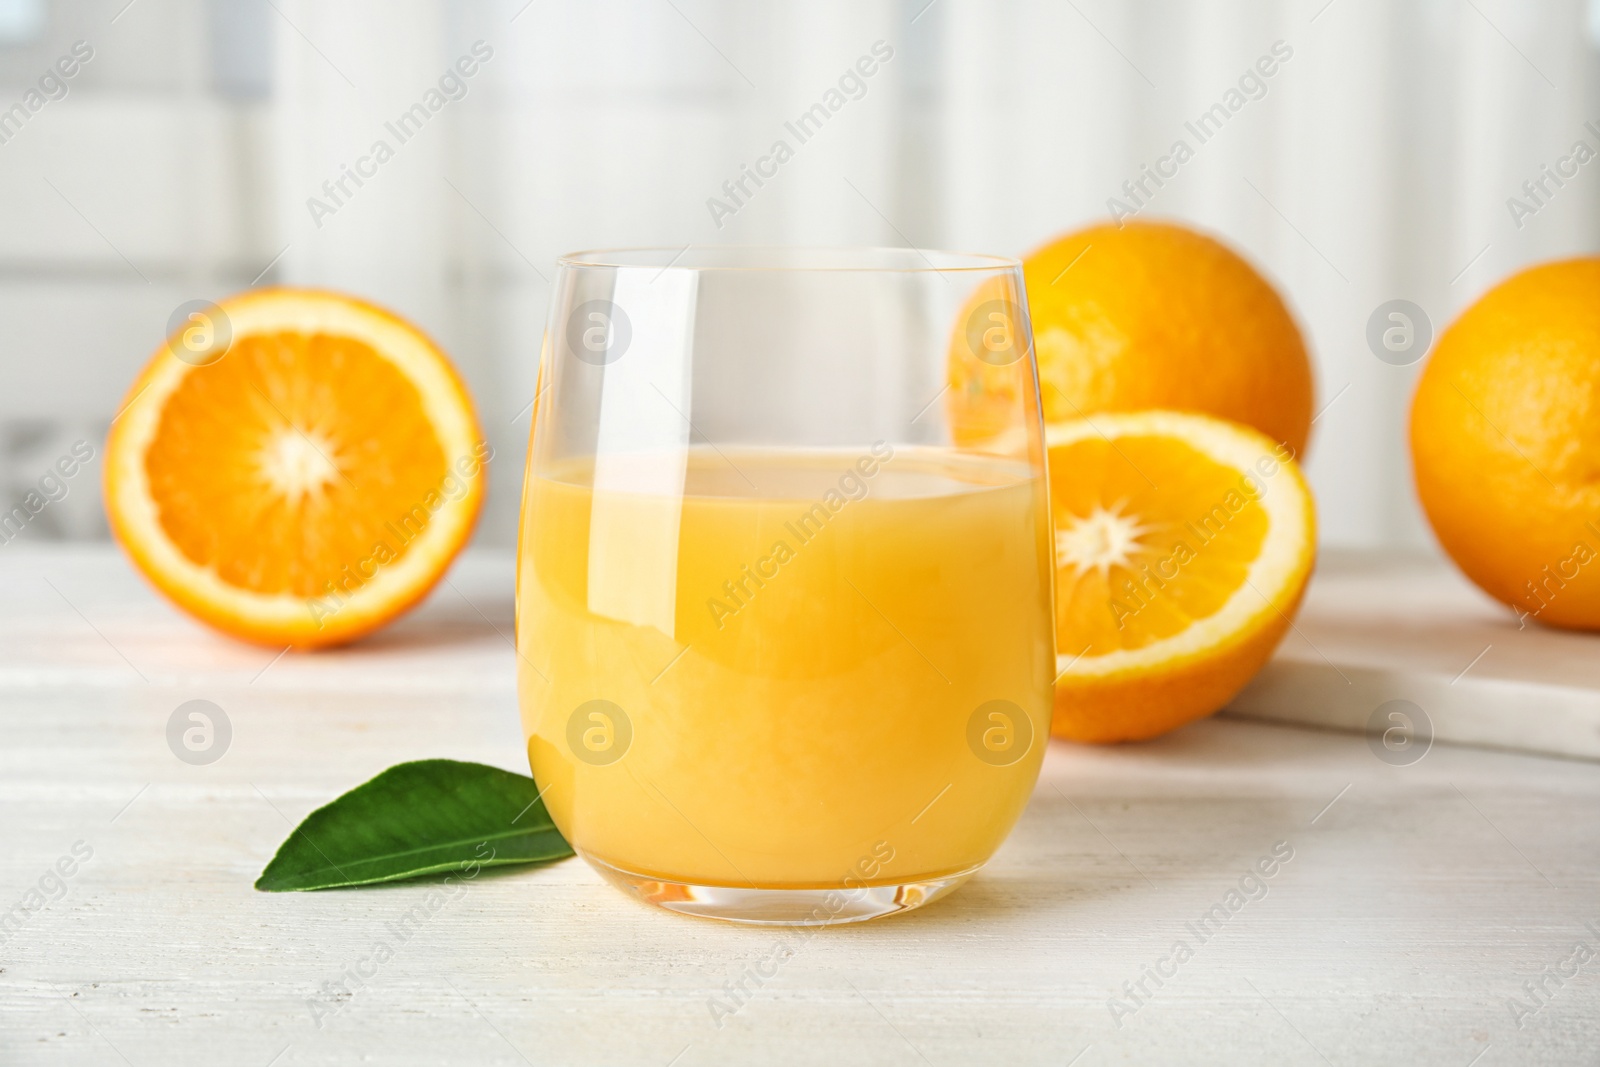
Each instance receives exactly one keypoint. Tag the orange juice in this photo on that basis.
(785, 669)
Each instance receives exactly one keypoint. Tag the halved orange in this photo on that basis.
(1183, 545)
(304, 482)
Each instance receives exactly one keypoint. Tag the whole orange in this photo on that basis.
(1505, 442)
(1156, 315)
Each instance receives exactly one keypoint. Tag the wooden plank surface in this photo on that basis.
(1381, 628)
(1418, 900)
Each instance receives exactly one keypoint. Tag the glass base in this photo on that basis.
(780, 907)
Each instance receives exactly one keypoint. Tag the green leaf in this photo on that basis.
(423, 817)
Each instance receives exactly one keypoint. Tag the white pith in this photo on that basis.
(1274, 577)
(298, 463)
(1103, 539)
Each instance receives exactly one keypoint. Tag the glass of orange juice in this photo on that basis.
(784, 623)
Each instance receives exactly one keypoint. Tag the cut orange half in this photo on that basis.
(295, 467)
(1183, 545)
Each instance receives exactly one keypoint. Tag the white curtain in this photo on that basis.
(1377, 162)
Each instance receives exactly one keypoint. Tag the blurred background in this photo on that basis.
(200, 145)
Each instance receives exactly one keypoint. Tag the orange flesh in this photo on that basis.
(1151, 535)
(290, 459)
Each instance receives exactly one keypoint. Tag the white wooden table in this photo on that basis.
(1418, 901)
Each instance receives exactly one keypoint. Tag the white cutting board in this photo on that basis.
(1377, 627)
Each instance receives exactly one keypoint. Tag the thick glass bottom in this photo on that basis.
(780, 907)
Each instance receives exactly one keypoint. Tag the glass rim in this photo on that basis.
(876, 259)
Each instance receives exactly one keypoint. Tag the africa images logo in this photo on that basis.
(452, 86)
(851, 85)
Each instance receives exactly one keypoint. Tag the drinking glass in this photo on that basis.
(784, 623)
